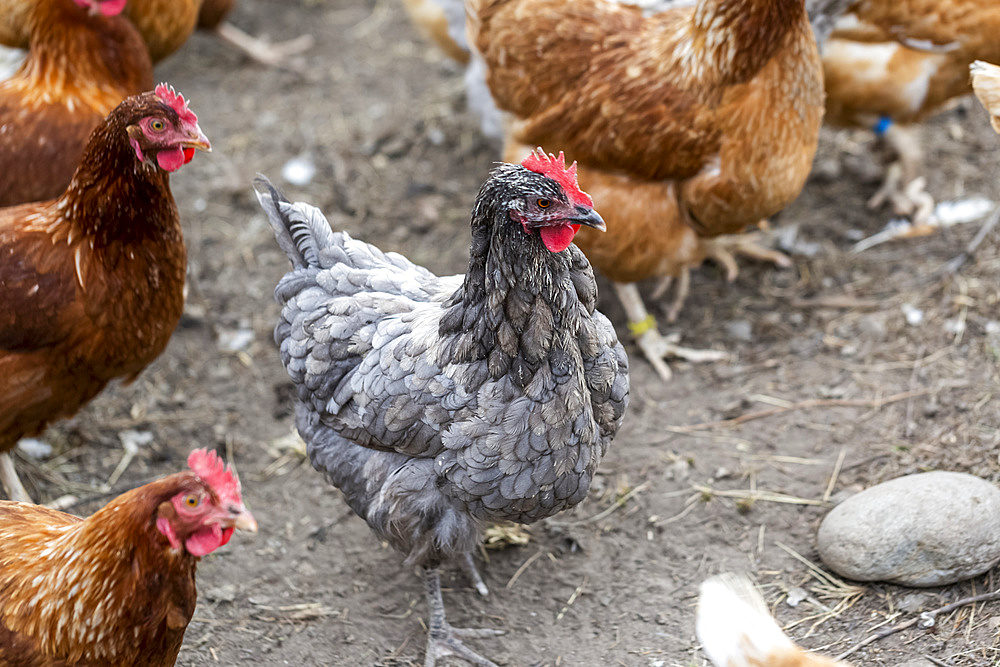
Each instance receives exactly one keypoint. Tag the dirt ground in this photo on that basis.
(846, 393)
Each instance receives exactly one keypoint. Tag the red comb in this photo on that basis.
(176, 102)
(209, 467)
(555, 168)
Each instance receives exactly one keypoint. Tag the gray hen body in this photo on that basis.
(437, 403)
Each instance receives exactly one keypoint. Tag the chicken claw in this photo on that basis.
(444, 640)
(723, 249)
(908, 199)
(469, 565)
(680, 294)
(655, 347)
(11, 484)
(903, 187)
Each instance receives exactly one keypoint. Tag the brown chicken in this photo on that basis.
(117, 588)
(165, 25)
(986, 83)
(895, 63)
(92, 282)
(80, 65)
(736, 629)
(687, 124)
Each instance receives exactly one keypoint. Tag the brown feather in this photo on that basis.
(104, 591)
(870, 74)
(691, 122)
(164, 24)
(79, 67)
(92, 282)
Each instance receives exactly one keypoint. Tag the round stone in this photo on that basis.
(928, 529)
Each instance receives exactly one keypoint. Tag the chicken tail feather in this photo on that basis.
(301, 230)
(734, 625)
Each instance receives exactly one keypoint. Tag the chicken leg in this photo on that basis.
(444, 640)
(647, 336)
(724, 249)
(903, 187)
(469, 565)
(11, 484)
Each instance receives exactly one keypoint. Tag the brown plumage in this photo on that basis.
(79, 67)
(687, 124)
(92, 282)
(117, 588)
(212, 13)
(903, 60)
(164, 24)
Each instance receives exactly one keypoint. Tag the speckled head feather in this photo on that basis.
(554, 167)
(209, 467)
(176, 102)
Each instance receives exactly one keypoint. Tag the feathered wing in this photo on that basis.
(360, 335)
(38, 289)
(356, 333)
(607, 90)
(736, 629)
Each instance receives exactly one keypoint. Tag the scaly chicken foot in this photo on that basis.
(11, 483)
(444, 640)
(469, 565)
(655, 347)
(680, 294)
(903, 187)
(273, 55)
(724, 249)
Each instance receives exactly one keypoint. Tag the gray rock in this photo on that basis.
(929, 529)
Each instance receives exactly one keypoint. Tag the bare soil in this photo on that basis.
(824, 348)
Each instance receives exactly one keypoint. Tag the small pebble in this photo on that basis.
(913, 315)
(929, 529)
(741, 330)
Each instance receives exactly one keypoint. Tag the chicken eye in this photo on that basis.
(544, 203)
(158, 125)
(191, 500)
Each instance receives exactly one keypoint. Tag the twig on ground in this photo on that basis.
(754, 495)
(925, 619)
(524, 566)
(571, 600)
(953, 265)
(832, 484)
(606, 513)
(873, 403)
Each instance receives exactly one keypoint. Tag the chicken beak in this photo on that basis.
(589, 217)
(241, 519)
(198, 140)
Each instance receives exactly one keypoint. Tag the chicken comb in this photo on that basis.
(176, 102)
(210, 468)
(555, 168)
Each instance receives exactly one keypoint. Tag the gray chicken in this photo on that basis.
(437, 404)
